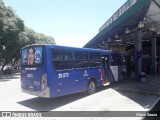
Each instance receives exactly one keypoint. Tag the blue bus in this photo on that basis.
(50, 71)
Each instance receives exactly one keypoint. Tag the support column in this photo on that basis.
(154, 65)
(108, 46)
(138, 54)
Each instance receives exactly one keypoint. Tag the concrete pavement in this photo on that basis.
(108, 98)
(150, 86)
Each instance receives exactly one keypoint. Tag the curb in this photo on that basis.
(138, 91)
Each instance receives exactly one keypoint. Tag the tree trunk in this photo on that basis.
(7, 61)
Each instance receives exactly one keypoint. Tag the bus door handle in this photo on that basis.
(76, 80)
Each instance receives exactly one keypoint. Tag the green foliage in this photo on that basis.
(14, 35)
(29, 36)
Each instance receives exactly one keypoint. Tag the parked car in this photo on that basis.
(8, 70)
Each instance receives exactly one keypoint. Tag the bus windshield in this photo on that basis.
(32, 56)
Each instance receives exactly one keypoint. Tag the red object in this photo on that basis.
(102, 78)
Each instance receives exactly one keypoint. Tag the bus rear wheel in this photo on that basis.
(91, 88)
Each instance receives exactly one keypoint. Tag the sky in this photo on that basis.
(69, 22)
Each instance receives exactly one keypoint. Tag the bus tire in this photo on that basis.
(91, 87)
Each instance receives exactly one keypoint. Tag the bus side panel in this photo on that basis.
(65, 82)
(95, 73)
(68, 82)
(81, 75)
(73, 81)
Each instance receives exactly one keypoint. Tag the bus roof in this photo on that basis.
(67, 47)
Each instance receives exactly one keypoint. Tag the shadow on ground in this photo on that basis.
(8, 77)
(49, 104)
(139, 92)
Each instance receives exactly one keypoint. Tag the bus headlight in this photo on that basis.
(44, 81)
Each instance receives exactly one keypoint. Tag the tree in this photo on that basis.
(14, 35)
(10, 28)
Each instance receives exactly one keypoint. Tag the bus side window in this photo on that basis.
(62, 59)
(81, 59)
(95, 59)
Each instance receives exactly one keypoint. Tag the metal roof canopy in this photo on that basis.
(113, 31)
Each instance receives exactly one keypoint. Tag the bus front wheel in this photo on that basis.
(91, 88)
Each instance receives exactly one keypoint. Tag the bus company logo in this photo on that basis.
(85, 73)
(21, 114)
(6, 114)
(37, 56)
(30, 75)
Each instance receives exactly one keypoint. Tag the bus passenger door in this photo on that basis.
(105, 69)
